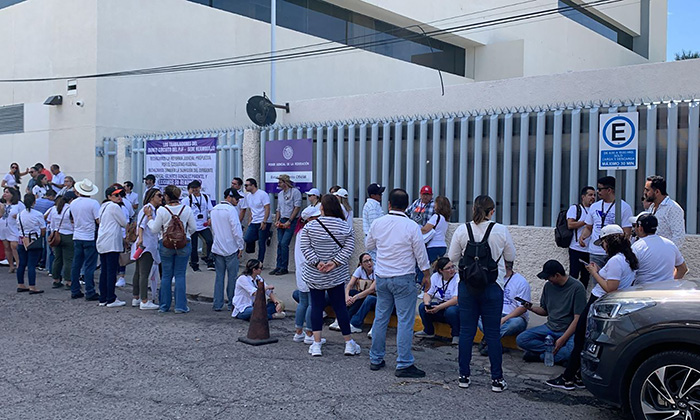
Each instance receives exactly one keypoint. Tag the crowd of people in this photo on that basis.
(55, 223)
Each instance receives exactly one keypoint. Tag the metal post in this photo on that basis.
(539, 167)
(363, 164)
(672, 150)
(423, 154)
(463, 168)
(351, 168)
(386, 144)
(478, 153)
(273, 42)
(398, 151)
(319, 159)
(507, 167)
(556, 166)
(435, 178)
(374, 153)
(575, 155)
(693, 144)
(522, 168)
(650, 166)
(329, 156)
(340, 172)
(593, 146)
(410, 156)
(493, 158)
(449, 158)
(630, 176)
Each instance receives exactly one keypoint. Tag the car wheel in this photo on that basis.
(667, 386)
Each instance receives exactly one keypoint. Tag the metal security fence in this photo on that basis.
(532, 161)
(229, 156)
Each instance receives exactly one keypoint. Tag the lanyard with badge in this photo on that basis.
(604, 215)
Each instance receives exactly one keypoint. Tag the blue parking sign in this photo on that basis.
(618, 144)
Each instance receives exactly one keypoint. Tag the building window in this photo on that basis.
(6, 3)
(589, 20)
(334, 23)
(12, 119)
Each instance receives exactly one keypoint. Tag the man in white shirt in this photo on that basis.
(150, 182)
(200, 205)
(372, 210)
(84, 212)
(58, 178)
(227, 248)
(399, 246)
(659, 258)
(576, 221)
(258, 228)
(237, 184)
(602, 213)
(669, 214)
(131, 195)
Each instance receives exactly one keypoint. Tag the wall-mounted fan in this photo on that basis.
(262, 112)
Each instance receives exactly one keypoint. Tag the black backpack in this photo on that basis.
(477, 267)
(562, 233)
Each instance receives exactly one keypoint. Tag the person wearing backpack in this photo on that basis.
(175, 224)
(576, 221)
(481, 248)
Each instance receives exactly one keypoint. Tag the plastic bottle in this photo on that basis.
(549, 351)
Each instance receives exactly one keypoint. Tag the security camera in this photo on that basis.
(80, 103)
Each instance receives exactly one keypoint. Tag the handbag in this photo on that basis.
(428, 236)
(55, 236)
(26, 240)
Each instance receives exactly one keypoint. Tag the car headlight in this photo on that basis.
(616, 308)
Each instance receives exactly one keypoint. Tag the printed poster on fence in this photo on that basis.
(291, 157)
(181, 161)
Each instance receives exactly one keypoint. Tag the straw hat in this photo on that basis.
(86, 187)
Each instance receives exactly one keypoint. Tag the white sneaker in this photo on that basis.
(309, 339)
(135, 302)
(117, 303)
(354, 329)
(298, 338)
(148, 305)
(102, 304)
(369, 334)
(315, 349)
(121, 282)
(351, 348)
(279, 315)
(334, 326)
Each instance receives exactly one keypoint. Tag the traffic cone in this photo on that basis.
(259, 329)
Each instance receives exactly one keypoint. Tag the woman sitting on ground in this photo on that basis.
(360, 294)
(440, 301)
(244, 296)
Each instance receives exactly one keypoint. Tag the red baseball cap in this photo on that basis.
(426, 190)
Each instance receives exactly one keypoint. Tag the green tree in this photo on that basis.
(687, 55)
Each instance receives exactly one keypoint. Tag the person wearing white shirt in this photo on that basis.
(42, 186)
(9, 232)
(149, 256)
(200, 205)
(659, 258)
(84, 212)
(487, 303)
(227, 248)
(59, 220)
(258, 227)
(237, 184)
(399, 245)
(669, 214)
(601, 214)
(438, 222)
(32, 228)
(286, 219)
(131, 195)
(440, 301)
(372, 210)
(58, 178)
(576, 221)
(247, 287)
(173, 261)
(110, 243)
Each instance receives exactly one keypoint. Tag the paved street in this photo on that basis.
(71, 359)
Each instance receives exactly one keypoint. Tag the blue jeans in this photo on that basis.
(174, 263)
(248, 312)
(225, 264)
(532, 340)
(84, 253)
(513, 326)
(27, 260)
(488, 305)
(284, 238)
(449, 315)
(359, 310)
(399, 291)
(108, 276)
(254, 233)
(433, 254)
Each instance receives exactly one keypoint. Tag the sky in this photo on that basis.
(683, 17)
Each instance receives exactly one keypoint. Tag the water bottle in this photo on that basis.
(549, 351)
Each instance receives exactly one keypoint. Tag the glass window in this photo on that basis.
(594, 23)
(6, 3)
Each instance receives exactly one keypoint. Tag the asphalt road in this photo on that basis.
(70, 359)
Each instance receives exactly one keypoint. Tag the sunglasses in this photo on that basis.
(159, 195)
(246, 185)
(257, 267)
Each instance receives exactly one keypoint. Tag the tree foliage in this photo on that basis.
(687, 55)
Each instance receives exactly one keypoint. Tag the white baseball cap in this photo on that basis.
(309, 212)
(341, 193)
(314, 191)
(608, 230)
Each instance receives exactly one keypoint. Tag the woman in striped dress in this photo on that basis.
(327, 244)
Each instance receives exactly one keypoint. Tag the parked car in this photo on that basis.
(642, 350)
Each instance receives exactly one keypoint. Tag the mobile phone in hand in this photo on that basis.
(523, 301)
(583, 262)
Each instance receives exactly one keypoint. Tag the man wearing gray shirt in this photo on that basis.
(288, 207)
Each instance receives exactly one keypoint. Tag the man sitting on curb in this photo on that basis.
(562, 302)
(514, 317)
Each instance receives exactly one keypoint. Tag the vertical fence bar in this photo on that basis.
(340, 173)
(692, 198)
(410, 155)
(449, 158)
(522, 168)
(630, 175)
(374, 154)
(281, 133)
(556, 166)
(463, 167)
(672, 150)
(272, 136)
(351, 169)
(329, 156)
(575, 156)
(386, 148)
(423, 154)
(612, 172)
(593, 146)
(507, 167)
(539, 167)
(650, 166)
(493, 157)
(319, 159)
(363, 164)
(263, 140)
(398, 151)
(105, 163)
(290, 134)
(478, 153)
(239, 157)
(435, 178)
(300, 133)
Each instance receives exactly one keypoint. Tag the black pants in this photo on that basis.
(576, 268)
(579, 340)
(208, 239)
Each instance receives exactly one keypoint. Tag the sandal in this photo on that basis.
(35, 292)
(22, 289)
